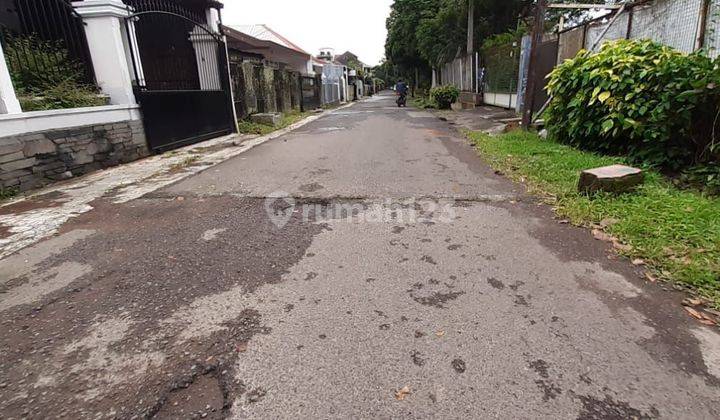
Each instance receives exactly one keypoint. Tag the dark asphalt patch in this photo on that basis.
(549, 389)
(437, 299)
(428, 259)
(521, 300)
(540, 367)
(4, 232)
(495, 283)
(459, 365)
(43, 201)
(311, 187)
(147, 263)
(417, 358)
(608, 408)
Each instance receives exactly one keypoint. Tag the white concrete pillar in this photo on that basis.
(213, 19)
(9, 103)
(105, 32)
(206, 58)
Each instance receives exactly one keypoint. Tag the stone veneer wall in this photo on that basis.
(32, 160)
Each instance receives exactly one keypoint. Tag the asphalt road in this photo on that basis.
(368, 265)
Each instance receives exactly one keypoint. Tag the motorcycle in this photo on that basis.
(402, 100)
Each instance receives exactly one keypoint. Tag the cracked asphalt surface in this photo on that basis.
(408, 281)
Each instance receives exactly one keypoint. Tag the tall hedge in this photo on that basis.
(638, 99)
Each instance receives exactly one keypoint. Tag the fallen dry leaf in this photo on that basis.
(650, 277)
(601, 236)
(402, 393)
(638, 261)
(440, 333)
(621, 247)
(703, 318)
(692, 302)
(695, 314)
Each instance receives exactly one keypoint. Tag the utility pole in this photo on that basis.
(537, 37)
(470, 44)
(702, 25)
(471, 27)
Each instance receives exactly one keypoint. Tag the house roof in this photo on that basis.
(347, 56)
(242, 40)
(265, 33)
(321, 62)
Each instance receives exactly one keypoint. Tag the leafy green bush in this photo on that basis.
(640, 99)
(423, 102)
(46, 77)
(705, 178)
(507, 38)
(7, 193)
(36, 65)
(64, 95)
(444, 96)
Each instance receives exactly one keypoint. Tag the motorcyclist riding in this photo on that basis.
(401, 89)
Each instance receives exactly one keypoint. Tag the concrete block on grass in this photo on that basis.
(267, 118)
(614, 178)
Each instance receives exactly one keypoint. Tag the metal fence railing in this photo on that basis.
(686, 25)
(501, 67)
(44, 44)
(463, 73)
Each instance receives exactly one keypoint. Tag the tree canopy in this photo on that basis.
(423, 34)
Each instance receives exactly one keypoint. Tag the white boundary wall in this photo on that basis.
(28, 122)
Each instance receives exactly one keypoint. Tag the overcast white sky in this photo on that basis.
(357, 26)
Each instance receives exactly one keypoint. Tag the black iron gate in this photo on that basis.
(181, 75)
(547, 60)
(310, 91)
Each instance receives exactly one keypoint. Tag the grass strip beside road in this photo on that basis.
(675, 232)
(8, 193)
(287, 119)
